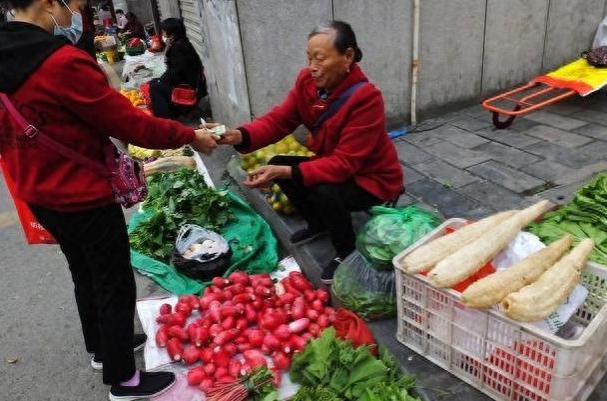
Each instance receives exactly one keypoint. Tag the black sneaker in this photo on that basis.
(327, 273)
(138, 344)
(151, 384)
(305, 235)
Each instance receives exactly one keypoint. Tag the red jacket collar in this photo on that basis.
(355, 75)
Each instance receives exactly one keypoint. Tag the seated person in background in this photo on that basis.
(183, 68)
(134, 27)
(121, 20)
(356, 164)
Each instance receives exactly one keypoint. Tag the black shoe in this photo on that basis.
(305, 235)
(138, 344)
(327, 273)
(151, 384)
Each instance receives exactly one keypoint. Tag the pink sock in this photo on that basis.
(133, 381)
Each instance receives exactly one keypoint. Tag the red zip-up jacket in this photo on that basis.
(352, 144)
(68, 99)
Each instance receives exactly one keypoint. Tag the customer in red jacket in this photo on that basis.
(61, 90)
(356, 164)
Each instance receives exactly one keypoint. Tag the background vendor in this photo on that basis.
(356, 165)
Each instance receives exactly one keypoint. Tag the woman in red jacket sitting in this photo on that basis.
(356, 164)
(60, 90)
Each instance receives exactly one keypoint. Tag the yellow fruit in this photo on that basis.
(275, 188)
(283, 199)
(261, 156)
(282, 148)
(277, 206)
(294, 146)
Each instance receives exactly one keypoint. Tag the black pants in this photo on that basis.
(96, 246)
(160, 95)
(327, 206)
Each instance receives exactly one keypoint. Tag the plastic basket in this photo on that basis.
(505, 359)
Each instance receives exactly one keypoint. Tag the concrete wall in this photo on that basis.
(169, 9)
(224, 63)
(469, 49)
(142, 9)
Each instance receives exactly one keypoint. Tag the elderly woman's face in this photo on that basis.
(327, 65)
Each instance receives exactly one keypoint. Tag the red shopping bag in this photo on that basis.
(34, 232)
(349, 326)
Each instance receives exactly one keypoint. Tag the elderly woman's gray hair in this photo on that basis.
(345, 38)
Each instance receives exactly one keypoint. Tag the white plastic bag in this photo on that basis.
(196, 243)
(600, 38)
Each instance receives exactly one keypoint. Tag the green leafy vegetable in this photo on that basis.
(176, 199)
(330, 367)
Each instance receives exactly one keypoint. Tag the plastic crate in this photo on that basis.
(505, 359)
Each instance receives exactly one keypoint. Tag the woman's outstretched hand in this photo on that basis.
(265, 175)
(205, 141)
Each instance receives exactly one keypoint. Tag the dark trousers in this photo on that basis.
(327, 206)
(96, 246)
(160, 94)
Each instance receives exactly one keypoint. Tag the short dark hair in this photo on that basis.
(119, 11)
(19, 4)
(345, 37)
(173, 27)
(131, 16)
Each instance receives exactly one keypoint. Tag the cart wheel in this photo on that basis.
(506, 123)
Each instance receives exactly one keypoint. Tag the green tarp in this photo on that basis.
(253, 245)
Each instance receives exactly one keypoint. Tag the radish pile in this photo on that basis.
(238, 322)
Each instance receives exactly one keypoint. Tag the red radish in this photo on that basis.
(206, 385)
(206, 300)
(183, 308)
(256, 338)
(261, 279)
(309, 295)
(228, 323)
(266, 350)
(209, 369)
(240, 310)
(179, 319)
(314, 329)
(323, 321)
(263, 291)
(206, 355)
(221, 372)
(281, 316)
(165, 309)
(239, 278)
(257, 304)
(317, 305)
(191, 355)
(282, 332)
(165, 319)
(281, 361)
(269, 322)
(230, 349)
(227, 379)
(191, 330)
(175, 349)
(298, 310)
(299, 325)
(207, 291)
(194, 303)
(236, 289)
(225, 336)
(162, 337)
(330, 311)
(234, 368)
(276, 377)
(286, 283)
(323, 295)
(243, 298)
(196, 376)
(299, 281)
(255, 358)
(307, 336)
(271, 342)
(228, 311)
(215, 329)
(242, 324)
(244, 347)
(215, 314)
(243, 339)
(245, 369)
(201, 335)
(227, 295)
(312, 314)
(178, 332)
(298, 343)
(286, 299)
(220, 282)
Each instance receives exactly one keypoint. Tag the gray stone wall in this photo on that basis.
(469, 49)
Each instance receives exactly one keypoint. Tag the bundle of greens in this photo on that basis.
(584, 217)
(176, 199)
(332, 369)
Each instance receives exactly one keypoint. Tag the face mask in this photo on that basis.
(74, 31)
(165, 39)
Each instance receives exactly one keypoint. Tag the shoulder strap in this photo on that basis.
(336, 105)
(31, 133)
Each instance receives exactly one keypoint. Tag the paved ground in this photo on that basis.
(462, 167)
